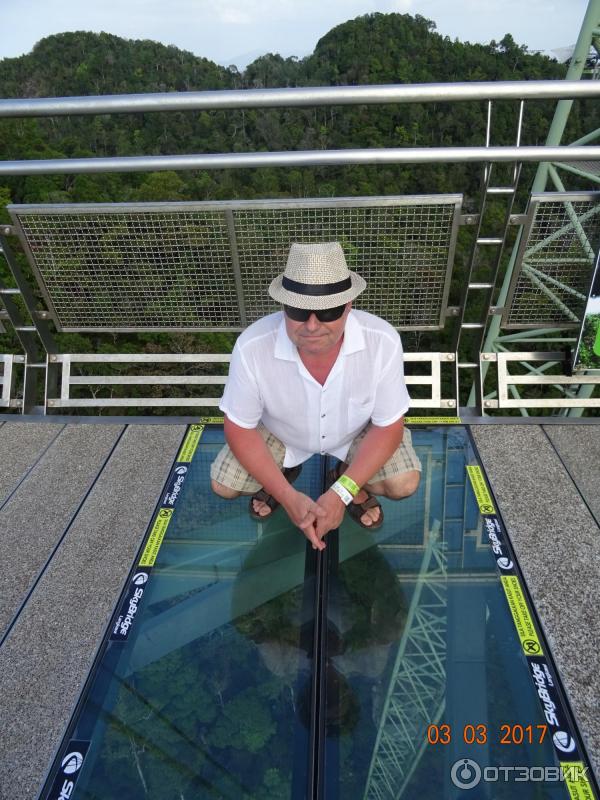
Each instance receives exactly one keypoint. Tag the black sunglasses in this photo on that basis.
(323, 314)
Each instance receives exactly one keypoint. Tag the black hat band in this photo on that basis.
(316, 289)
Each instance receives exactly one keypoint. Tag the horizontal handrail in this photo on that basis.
(305, 96)
(432, 380)
(506, 380)
(141, 358)
(303, 158)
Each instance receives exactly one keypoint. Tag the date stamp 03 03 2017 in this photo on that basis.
(482, 734)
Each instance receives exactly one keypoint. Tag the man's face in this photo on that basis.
(314, 337)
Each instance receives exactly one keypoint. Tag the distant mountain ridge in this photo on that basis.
(82, 63)
(374, 48)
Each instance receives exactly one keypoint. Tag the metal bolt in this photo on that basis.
(488, 404)
(486, 356)
(53, 359)
(450, 403)
(51, 403)
(6, 230)
(450, 356)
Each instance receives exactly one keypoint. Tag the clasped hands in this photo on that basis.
(314, 517)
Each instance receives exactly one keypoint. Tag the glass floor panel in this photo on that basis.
(254, 668)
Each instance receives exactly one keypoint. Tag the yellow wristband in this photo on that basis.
(349, 484)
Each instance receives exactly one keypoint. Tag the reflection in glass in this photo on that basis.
(203, 700)
(424, 637)
(211, 696)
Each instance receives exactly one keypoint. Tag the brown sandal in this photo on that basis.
(290, 474)
(356, 510)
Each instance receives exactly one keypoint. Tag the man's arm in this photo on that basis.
(375, 449)
(250, 449)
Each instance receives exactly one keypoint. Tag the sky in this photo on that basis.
(238, 31)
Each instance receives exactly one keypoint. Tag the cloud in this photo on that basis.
(233, 16)
(218, 28)
(303, 13)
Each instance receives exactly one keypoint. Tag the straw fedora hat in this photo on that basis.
(316, 276)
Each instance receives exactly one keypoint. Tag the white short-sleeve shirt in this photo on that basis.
(268, 383)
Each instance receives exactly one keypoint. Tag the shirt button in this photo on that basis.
(322, 415)
(322, 437)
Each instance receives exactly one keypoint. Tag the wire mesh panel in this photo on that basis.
(404, 252)
(555, 261)
(130, 269)
(195, 266)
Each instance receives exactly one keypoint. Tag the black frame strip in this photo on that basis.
(567, 743)
(316, 771)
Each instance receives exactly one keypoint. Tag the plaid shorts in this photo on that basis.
(228, 471)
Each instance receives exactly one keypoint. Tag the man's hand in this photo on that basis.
(305, 513)
(331, 504)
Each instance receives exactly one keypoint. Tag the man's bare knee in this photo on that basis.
(402, 486)
(223, 491)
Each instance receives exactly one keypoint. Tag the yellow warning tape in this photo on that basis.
(482, 495)
(410, 420)
(190, 443)
(521, 616)
(576, 780)
(433, 420)
(157, 534)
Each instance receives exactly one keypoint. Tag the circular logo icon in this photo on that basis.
(181, 470)
(465, 773)
(486, 508)
(140, 578)
(564, 741)
(531, 647)
(71, 763)
(504, 563)
(164, 513)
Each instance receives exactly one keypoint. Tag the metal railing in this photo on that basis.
(91, 384)
(486, 156)
(7, 362)
(564, 386)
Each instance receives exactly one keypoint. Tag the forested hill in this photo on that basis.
(84, 63)
(398, 48)
(376, 48)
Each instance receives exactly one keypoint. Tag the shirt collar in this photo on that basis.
(284, 347)
(354, 339)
